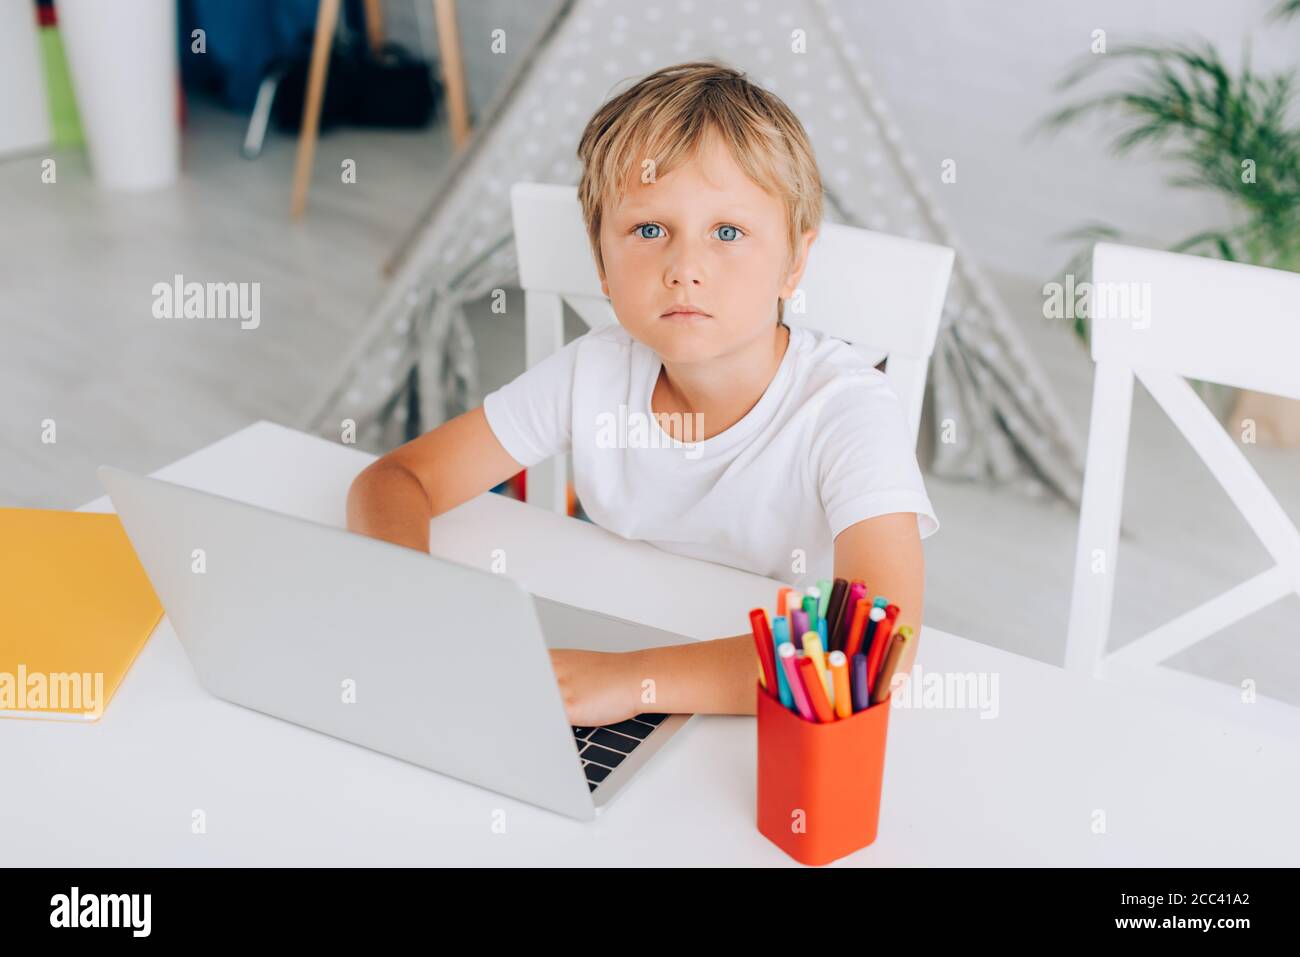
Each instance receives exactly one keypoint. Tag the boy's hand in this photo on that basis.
(598, 687)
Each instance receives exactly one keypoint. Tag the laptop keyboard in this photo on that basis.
(603, 749)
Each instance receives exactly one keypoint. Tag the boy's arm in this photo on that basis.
(886, 553)
(718, 676)
(395, 496)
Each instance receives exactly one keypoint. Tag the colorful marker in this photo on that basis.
(840, 634)
(798, 625)
(812, 649)
(766, 650)
(816, 691)
(841, 697)
(884, 632)
(839, 592)
(809, 604)
(871, 628)
(790, 664)
(876, 656)
(858, 683)
(853, 639)
(874, 618)
(781, 636)
(823, 597)
(884, 680)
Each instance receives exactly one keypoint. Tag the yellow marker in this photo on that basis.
(812, 648)
(843, 700)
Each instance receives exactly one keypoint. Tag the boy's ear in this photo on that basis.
(800, 263)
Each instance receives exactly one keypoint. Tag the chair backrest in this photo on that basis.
(1158, 318)
(1205, 319)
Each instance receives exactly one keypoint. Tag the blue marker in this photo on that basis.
(780, 636)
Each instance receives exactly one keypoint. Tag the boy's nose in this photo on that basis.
(685, 270)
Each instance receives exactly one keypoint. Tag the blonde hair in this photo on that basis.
(665, 117)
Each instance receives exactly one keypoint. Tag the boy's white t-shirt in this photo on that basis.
(826, 446)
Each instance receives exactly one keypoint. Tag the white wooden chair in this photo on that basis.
(1210, 320)
(881, 293)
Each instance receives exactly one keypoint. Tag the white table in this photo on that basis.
(1176, 787)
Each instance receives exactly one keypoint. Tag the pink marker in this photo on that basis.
(792, 677)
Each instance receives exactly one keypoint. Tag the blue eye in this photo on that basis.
(645, 226)
(734, 232)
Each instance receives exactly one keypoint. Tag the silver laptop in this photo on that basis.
(424, 659)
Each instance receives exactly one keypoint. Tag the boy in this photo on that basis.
(779, 449)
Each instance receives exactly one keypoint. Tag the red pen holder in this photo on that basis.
(819, 784)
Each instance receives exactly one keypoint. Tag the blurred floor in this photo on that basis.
(80, 346)
(77, 267)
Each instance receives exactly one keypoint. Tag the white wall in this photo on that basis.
(966, 80)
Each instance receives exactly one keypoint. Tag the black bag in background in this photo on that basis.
(396, 90)
(390, 88)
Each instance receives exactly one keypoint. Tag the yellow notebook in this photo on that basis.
(75, 610)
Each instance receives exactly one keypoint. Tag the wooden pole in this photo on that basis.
(326, 20)
(453, 70)
(375, 24)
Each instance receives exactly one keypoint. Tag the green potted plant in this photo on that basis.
(1225, 132)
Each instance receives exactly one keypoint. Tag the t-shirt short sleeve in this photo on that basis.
(865, 458)
(532, 415)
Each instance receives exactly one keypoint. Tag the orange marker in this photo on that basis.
(879, 648)
(815, 690)
(783, 601)
(875, 618)
(853, 639)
